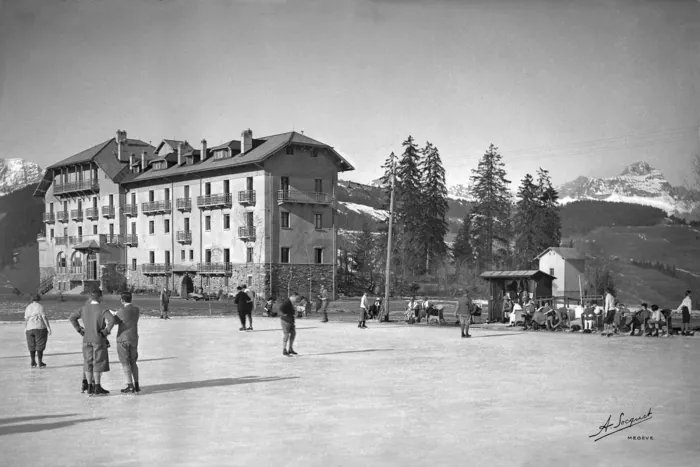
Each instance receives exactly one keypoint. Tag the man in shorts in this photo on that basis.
(324, 303)
(464, 313)
(685, 307)
(37, 329)
(128, 342)
(588, 318)
(97, 324)
(287, 317)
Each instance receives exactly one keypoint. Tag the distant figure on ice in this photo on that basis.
(639, 320)
(507, 307)
(363, 312)
(685, 307)
(241, 301)
(289, 332)
(588, 318)
(164, 302)
(251, 306)
(97, 323)
(464, 313)
(656, 321)
(610, 310)
(268, 307)
(37, 329)
(128, 342)
(324, 303)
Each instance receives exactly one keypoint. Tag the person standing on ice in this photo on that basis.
(324, 303)
(464, 313)
(98, 323)
(363, 312)
(37, 329)
(685, 307)
(128, 342)
(287, 317)
(251, 305)
(241, 301)
(164, 302)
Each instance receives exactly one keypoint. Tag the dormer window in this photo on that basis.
(221, 154)
(290, 150)
(189, 160)
(160, 165)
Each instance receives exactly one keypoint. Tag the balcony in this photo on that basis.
(49, 217)
(156, 207)
(247, 197)
(131, 240)
(61, 240)
(183, 204)
(157, 268)
(62, 216)
(108, 212)
(75, 239)
(184, 236)
(215, 268)
(76, 215)
(246, 233)
(92, 213)
(302, 197)
(131, 210)
(111, 239)
(223, 200)
(85, 186)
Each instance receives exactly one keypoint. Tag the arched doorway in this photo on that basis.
(187, 287)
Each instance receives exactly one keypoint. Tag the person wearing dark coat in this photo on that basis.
(241, 300)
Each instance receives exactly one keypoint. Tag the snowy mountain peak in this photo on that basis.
(18, 173)
(640, 168)
(460, 192)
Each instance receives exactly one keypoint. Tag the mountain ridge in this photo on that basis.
(16, 174)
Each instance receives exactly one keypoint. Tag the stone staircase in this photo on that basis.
(46, 285)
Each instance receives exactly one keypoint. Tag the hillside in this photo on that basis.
(20, 221)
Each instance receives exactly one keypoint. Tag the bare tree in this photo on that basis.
(258, 224)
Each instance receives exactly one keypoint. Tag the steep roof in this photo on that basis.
(523, 274)
(263, 148)
(566, 253)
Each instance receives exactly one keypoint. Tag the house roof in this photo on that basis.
(523, 274)
(263, 148)
(174, 143)
(566, 253)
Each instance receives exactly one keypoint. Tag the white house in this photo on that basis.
(566, 264)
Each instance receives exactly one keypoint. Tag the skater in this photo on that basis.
(685, 307)
(268, 307)
(37, 330)
(97, 325)
(656, 321)
(128, 342)
(588, 318)
(287, 314)
(324, 303)
(164, 302)
(639, 320)
(363, 312)
(251, 306)
(464, 313)
(609, 313)
(241, 301)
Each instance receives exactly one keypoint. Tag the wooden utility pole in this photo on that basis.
(388, 247)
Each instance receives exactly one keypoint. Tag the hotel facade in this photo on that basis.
(259, 211)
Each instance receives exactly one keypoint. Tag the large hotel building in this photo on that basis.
(258, 211)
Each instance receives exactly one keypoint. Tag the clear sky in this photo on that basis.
(579, 87)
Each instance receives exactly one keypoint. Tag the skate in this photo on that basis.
(285, 353)
(91, 389)
(42, 365)
(137, 388)
(85, 386)
(291, 352)
(99, 390)
(129, 389)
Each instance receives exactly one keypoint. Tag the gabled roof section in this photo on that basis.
(83, 156)
(566, 253)
(524, 274)
(173, 143)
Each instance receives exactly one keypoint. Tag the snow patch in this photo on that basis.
(361, 208)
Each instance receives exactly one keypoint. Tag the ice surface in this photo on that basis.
(391, 395)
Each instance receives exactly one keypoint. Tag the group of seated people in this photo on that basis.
(649, 322)
(416, 310)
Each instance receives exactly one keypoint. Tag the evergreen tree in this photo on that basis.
(409, 208)
(462, 248)
(549, 220)
(389, 166)
(490, 217)
(363, 255)
(434, 199)
(527, 214)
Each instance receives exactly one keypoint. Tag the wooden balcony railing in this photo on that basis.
(302, 197)
(155, 207)
(76, 214)
(213, 201)
(246, 232)
(75, 239)
(156, 268)
(90, 185)
(131, 240)
(214, 268)
(183, 204)
(108, 211)
(61, 240)
(92, 213)
(184, 236)
(131, 210)
(112, 239)
(62, 216)
(246, 197)
(49, 217)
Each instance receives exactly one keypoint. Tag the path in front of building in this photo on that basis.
(391, 395)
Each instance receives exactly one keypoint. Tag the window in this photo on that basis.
(166, 225)
(166, 195)
(290, 150)
(318, 185)
(318, 255)
(111, 200)
(111, 230)
(187, 224)
(94, 229)
(189, 160)
(152, 257)
(207, 189)
(551, 271)
(51, 205)
(151, 196)
(284, 183)
(207, 256)
(249, 255)
(187, 191)
(133, 199)
(94, 201)
(225, 281)
(285, 220)
(167, 256)
(227, 255)
(51, 233)
(191, 255)
(80, 231)
(207, 223)
(133, 264)
(284, 255)
(249, 183)
(227, 186)
(182, 255)
(160, 165)
(150, 280)
(227, 221)
(249, 219)
(206, 281)
(250, 280)
(318, 221)
(151, 227)
(133, 228)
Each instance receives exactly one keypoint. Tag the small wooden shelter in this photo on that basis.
(537, 284)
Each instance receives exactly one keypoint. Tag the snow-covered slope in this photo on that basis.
(17, 173)
(639, 183)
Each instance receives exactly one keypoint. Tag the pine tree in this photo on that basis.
(462, 248)
(363, 255)
(527, 214)
(434, 200)
(490, 217)
(409, 208)
(549, 220)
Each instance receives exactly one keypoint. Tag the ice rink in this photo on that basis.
(391, 395)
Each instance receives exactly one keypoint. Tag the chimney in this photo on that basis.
(143, 161)
(132, 159)
(179, 153)
(203, 155)
(246, 141)
(122, 146)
